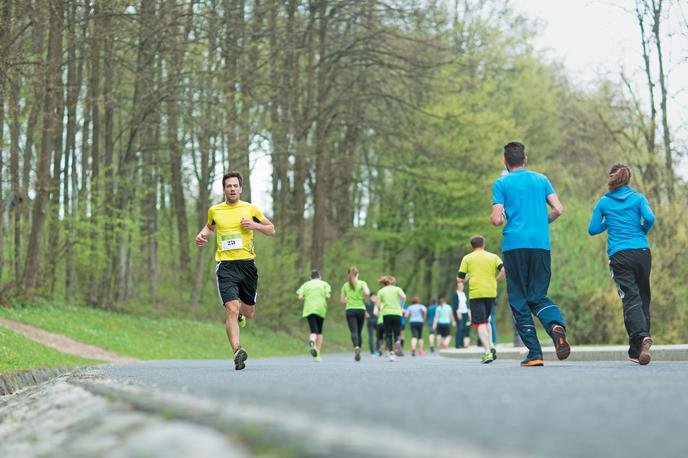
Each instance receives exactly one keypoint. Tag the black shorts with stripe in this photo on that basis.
(481, 308)
(237, 280)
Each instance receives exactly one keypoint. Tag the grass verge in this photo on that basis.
(149, 338)
(19, 353)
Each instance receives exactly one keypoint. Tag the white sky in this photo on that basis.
(594, 39)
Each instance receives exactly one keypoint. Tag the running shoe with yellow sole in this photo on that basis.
(242, 321)
(313, 350)
(487, 358)
(240, 356)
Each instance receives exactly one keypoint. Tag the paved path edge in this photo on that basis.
(660, 353)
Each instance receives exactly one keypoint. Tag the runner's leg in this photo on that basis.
(516, 263)
(352, 322)
(231, 323)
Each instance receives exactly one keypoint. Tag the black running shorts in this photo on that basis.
(315, 323)
(417, 330)
(480, 310)
(444, 330)
(237, 280)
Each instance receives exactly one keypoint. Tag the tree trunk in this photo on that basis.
(43, 181)
(322, 176)
(663, 91)
(175, 61)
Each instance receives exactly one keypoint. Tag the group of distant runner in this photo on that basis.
(526, 201)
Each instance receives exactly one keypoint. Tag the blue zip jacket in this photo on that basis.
(627, 217)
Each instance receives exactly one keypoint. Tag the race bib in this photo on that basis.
(231, 242)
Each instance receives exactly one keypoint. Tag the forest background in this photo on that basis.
(383, 121)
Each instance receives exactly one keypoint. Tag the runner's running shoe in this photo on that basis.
(413, 352)
(317, 357)
(633, 360)
(493, 350)
(561, 346)
(242, 321)
(357, 353)
(239, 357)
(397, 350)
(313, 350)
(487, 358)
(532, 362)
(644, 358)
(421, 353)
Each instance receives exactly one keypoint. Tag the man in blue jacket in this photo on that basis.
(627, 217)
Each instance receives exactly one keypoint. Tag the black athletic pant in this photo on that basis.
(392, 325)
(355, 319)
(630, 270)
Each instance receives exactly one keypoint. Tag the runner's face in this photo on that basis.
(232, 189)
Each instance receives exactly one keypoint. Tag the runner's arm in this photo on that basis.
(497, 217)
(434, 322)
(264, 226)
(557, 207)
(202, 237)
(501, 275)
(597, 223)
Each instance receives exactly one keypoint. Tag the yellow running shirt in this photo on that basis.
(482, 268)
(233, 241)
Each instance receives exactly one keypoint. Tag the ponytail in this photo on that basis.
(353, 274)
(619, 176)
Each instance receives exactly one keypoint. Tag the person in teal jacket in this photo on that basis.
(627, 217)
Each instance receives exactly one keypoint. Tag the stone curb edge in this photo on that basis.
(11, 382)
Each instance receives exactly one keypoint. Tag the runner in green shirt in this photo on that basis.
(353, 293)
(315, 293)
(483, 270)
(390, 298)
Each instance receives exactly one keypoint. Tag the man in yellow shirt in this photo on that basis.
(237, 276)
(483, 270)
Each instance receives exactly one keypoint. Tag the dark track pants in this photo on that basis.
(527, 279)
(392, 324)
(630, 270)
(355, 319)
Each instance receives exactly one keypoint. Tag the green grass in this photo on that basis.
(18, 353)
(148, 338)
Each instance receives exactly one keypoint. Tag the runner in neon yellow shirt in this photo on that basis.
(483, 270)
(237, 276)
(353, 294)
(315, 293)
(390, 298)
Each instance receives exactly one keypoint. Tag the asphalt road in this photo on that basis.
(441, 406)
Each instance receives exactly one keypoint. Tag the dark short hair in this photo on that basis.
(233, 174)
(515, 154)
(478, 241)
(315, 274)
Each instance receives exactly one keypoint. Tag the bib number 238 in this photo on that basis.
(232, 242)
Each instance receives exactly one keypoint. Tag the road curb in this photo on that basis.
(11, 382)
(660, 353)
